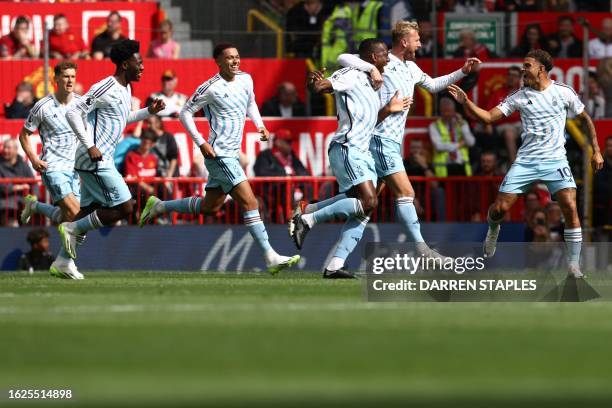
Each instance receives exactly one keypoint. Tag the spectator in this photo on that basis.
(165, 149)
(537, 230)
(280, 160)
(451, 136)
(142, 162)
(604, 78)
(39, 258)
(304, 24)
(12, 166)
(602, 190)
(103, 42)
(335, 35)
(285, 104)
(596, 104)
(23, 103)
(427, 45)
(174, 100)
(601, 47)
(508, 128)
(63, 43)
(532, 39)
(164, 47)
(563, 43)
(554, 221)
(469, 6)
(16, 45)
(469, 47)
(517, 5)
(488, 165)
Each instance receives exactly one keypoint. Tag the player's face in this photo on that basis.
(229, 61)
(531, 71)
(381, 57)
(66, 80)
(411, 43)
(135, 68)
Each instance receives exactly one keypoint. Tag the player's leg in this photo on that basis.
(497, 212)
(107, 188)
(572, 233)
(60, 185)
(351, 168)
(351, 233)
(248, 204)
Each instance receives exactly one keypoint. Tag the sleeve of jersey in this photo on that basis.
(508, 105)
(438, 84)
(33, 121)
(137, 116)
(342, 81)
(253, 110)
(575, 104)
(197, 101)
(77, 113)
(353, 61)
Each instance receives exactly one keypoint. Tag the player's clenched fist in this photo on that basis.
(156, 106)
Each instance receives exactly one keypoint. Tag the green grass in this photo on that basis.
(191, 339)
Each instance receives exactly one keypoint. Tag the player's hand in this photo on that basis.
(94, 154)
(597, 161)
(265, 134)
(207, 151)
(156, 106)
(399, 104)
(39, 165)
(471, 64)
(458, 93)
(318, 75)
(376, 78)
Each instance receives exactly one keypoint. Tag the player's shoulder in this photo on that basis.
(208, 84)
(347, 72)
(518, 93)
(102, 87)
(565, 88)
(40, 105)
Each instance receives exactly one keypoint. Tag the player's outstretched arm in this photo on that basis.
(487, 117)
(353, 61)
(597, 160)
(435, 85)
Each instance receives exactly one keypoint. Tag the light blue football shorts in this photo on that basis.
(224, 172)
(351, 166)
(557, 175)
(387, 156)
(104, 186)
(62, 183)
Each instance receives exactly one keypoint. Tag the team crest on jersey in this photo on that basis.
(554, 101)
(89, 101)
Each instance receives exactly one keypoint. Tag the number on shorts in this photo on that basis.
(565, 172)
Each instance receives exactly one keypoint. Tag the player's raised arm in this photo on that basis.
(597, 160)
(435, 85)
(353, 61)
(318, 83)
(488, 117)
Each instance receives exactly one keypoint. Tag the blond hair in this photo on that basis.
(402, 28)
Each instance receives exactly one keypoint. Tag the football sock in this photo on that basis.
(257, 229)
(50, 211)
(344, 208)
(310, 208)
(573, 242)
(87, 223)
(406, 212)
(351, 234)
(190, 205)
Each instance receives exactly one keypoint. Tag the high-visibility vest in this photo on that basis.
(335, 39)
(440, 159)
(365, 24)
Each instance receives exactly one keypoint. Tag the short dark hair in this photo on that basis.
(62, 66)
(488, 152)
(21, 20)
(58, 16)
(565, 18)
(219, 48)
(37, 235)
(123, 51)
(368, 46)
(149, 135)
(515, 69)
(542, 57)
(113, 13)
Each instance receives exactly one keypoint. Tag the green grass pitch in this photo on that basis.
(193, 339)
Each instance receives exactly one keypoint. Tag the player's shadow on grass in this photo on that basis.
(571, 290)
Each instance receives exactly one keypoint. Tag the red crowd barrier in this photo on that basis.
(451, 199)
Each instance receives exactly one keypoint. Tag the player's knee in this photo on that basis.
(127, 208)
(369, 203)
(69, 214)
